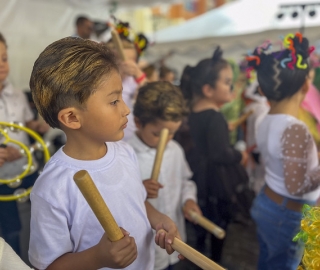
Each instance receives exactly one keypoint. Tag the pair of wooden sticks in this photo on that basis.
(107, 221)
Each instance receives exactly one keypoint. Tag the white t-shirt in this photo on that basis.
(174, 176)
(290, 157)
(61, 219)
(14, 107)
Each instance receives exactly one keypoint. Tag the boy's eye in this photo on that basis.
(114, 102)
(156, 134)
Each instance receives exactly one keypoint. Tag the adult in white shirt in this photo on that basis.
(289, 154)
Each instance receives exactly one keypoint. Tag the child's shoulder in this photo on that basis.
(175, 147)
(123, 148)
(53, 177)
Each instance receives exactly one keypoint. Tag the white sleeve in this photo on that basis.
(49, 233)
(296, 143)
(189, 188)
(9, 260)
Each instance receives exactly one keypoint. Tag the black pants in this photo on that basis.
(218, 211)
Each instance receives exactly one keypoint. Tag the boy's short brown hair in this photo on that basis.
(159, 100)
(66, 73)
(3, 40)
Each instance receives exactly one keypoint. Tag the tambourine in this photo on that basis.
(20, 194)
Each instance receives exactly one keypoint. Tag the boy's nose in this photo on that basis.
(126, 110)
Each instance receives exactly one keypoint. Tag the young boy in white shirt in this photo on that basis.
(76, 87)
(161, 105)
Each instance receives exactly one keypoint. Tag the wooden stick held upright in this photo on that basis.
(98, 205)
(101, 210)
(208, 225)
(160, 149)
(118, 44)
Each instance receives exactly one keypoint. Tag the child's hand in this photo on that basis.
(117, 254)
(166, 232)
(13, 153)
(245, 158)
(3, 156)
(152, 188)
(191, 205)
(130, 68)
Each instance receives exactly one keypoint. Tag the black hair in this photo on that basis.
(81, 19)
(277, 77)
(207, 71)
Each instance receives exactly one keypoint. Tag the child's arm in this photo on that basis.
(3, 155)
(159, 222)
(188, 191)
(152, 187)
(191, 205)
(117, 254)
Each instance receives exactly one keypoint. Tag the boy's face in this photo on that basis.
(105, 116)
(150, 133)
(169, 77)
(4, 64)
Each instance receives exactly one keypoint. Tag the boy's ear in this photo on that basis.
(70, 118)
(207, 91)
(137, 122)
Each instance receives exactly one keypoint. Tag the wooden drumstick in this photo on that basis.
(98, 205)
(241, 119)
(208, 225)
(102, 212)
(160, 149)
(194, 256)
(118, 44)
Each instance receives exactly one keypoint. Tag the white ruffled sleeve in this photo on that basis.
(296, 147)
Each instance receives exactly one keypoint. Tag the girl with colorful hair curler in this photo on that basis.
(288, 152)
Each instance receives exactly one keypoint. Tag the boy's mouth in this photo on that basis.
(125, 125)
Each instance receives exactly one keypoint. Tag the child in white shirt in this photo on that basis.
(76, 87)
(160, 105)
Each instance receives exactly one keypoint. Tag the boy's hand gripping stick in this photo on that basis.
(208, 225)
(160, 149)
(102, 212)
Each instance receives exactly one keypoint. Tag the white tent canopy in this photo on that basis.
(30, 25)
(237, 27)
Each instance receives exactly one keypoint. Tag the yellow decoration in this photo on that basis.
(34, 135)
